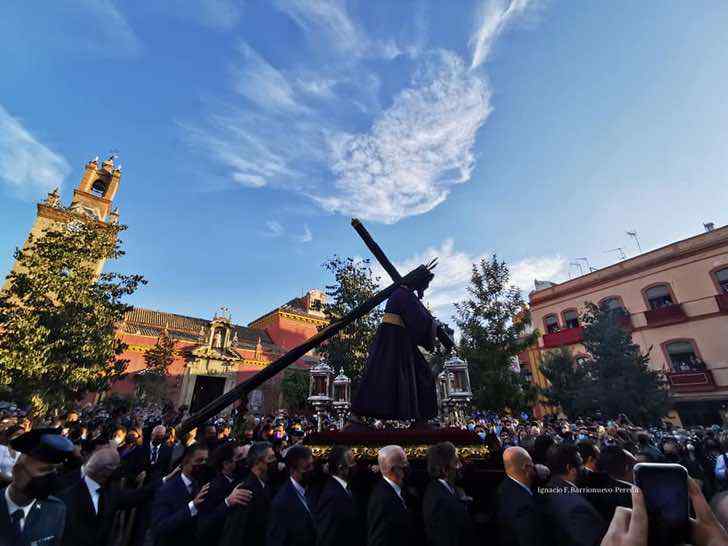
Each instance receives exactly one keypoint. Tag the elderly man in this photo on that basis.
(447, 521)
(92, 502)
(28, 514)
(518, 513)
(389, 520)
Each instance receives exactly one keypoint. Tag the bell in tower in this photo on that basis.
(97, 189)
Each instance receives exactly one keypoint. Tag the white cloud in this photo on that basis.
(491, 19)
(306, 236)
(454, 268)
(273, 229)
(27, 166)
(221, 14)
(107, 30)
(416, 150)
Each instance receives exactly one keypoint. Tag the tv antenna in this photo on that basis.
(577, 264)
(589, 268)
(622, 255)
(633, 234)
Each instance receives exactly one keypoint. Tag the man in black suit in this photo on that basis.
(338, 520)
(91, 502)
(610, 478)
(28, 514)
(153, 457)
(447, 521)
(575, 522)
(248, 524)
(389, 520)
(291, 512)
(517, 508)
(176, 504)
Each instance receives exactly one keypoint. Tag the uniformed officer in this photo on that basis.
(29, 516)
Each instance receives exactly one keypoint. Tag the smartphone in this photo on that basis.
(665, 488)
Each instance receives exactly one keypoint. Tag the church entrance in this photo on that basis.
(207, 388)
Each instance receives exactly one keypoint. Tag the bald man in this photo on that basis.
(519, 519)
(389, 519)
(91, 502)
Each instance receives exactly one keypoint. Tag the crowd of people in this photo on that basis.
(123, 478)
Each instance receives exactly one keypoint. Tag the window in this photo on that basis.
(613, 304)
(316, 305)
(722, 277)
(659, 296)
(552, 324)
(98, 188)
(571, 319)
(682, 356)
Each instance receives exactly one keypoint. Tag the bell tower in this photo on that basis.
(92, 201)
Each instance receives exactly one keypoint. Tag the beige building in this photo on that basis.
(674, 300)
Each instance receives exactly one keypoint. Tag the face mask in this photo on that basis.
(471, 427)
(307, 477)
(40, 487)
(481, 435)
(199, 471)
(582, 437)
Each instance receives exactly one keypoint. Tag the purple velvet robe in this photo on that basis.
(398, 384)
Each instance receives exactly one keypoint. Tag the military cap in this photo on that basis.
(44, 444)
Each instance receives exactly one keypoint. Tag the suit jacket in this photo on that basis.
(447, 521)
(248, 525)
(290, 523)
(575, 521)
(84, 527)
(43, 526)
(519, 521)
(389, 521)
(172, 522)
(337, 517)
(140, 459)
(614, 492)
(213, 510)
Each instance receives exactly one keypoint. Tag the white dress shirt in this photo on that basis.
(12, 507)
(188, 485)
(397, 489)
(447, 486)
(343, 484)
(93, 491)
(301, 493)
(528, 489)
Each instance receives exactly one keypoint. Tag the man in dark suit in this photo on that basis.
(575, 522)
(153, 457)
(446, 517)
(176, 504)
(248, 524)
(337, 516)
(92, 503)
(291, 512)
(389, 520)
(517, 509)
(613, 469)
(28, 514)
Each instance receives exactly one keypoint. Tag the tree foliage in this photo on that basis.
(491, 337)
(58, 316)
(152, 381)
(616, 377)
(294, 388)
(354, 283)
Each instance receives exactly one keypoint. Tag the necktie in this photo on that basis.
(16, 518)
(155, 452)
(303, 500)
(348, 490)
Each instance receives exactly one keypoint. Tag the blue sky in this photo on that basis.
(251, 131)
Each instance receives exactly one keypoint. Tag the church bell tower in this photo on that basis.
(92, 201)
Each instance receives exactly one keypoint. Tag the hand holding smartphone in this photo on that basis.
(665, 488)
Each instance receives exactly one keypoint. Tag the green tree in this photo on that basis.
(491, 337)
(619, 377)
(294, 388)
(568, 381)
(58, 317)
(152, 381)
(354, 283)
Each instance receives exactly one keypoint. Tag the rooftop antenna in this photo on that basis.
(578, 264)
(709, 226)
(622, 255)
(589, 268)
(633, 234)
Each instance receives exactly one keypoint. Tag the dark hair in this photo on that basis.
(256, 452)
(541, 446)
(613, 460)
(222, 455)
(561, 457)
(191, 450)
(337, 459)
(296, 454)
(587, 449)
(439, 459)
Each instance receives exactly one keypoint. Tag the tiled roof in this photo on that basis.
(151, 323)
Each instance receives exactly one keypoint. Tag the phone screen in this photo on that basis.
(665, 488)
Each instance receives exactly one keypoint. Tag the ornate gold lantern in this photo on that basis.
(342, 396)
(457, 391)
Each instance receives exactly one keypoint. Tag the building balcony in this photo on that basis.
(568, 336)
(669, 314)
(722, 300)
(691, 381)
